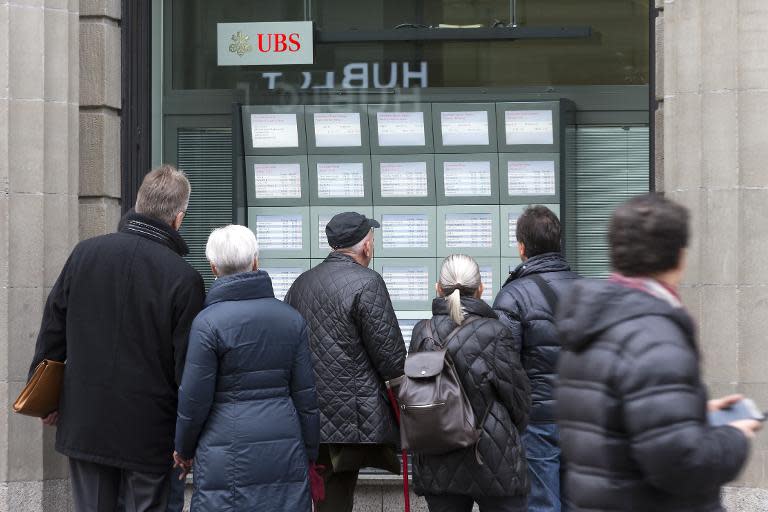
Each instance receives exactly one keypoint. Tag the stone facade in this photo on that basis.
(39, 87)
(713, 75)
(100, 97)
(60, 100)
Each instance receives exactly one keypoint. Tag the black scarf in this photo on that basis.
(153, 229)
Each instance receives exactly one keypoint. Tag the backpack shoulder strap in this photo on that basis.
(467, 320)
(546, 290)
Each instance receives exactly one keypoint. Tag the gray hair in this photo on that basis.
(232, 249)
(459, 273)
(164, 194)
(358, 247)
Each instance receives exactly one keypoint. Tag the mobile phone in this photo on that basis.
(744, 409)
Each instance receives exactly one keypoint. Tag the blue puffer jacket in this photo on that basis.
(247, 403)
(523, 308)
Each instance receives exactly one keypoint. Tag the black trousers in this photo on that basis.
(99, 488)
(339, 485)
(458, 503)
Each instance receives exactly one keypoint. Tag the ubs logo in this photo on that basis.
(266, 43)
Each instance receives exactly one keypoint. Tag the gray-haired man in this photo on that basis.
(119, 315)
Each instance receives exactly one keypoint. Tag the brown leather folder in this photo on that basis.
(40, 396)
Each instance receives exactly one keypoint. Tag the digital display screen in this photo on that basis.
(465, 128)
(277, 181)
(274, 131)
(340, 129)
(279, 231)
(528, 127)
(401, 128)
(404, 179)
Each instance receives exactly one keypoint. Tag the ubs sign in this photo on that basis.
(265, 44)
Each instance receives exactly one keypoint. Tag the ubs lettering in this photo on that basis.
(279, 43)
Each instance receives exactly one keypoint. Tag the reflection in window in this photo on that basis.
(616, 53)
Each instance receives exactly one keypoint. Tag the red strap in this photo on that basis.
(406, 492)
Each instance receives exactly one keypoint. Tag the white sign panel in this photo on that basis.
(407, 283)
(405, 231)
(529, 127)
(336, 130)
(282, 279)
(340, 180)
(265, 44)
(323, 221)
(464, 128)
(274, 131)
(279, 231)
(401, 128)
(406, 328)
(486, 277)
(404, 179)
(467, 179)
(512, 224)
(277, 180)
(468, 230)
(534, 178)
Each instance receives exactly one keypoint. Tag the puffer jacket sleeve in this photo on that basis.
(379, 330)
(509, 378)
(304, 395)
(678, 451)
(198, 387)
(508, 310)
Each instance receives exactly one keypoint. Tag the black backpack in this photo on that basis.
(435, 414)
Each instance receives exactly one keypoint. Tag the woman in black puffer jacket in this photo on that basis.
(495, 475)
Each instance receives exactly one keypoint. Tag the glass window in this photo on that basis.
(615, 54)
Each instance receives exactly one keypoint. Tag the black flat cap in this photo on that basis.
(348, 228)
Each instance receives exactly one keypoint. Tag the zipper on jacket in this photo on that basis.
(422, 407)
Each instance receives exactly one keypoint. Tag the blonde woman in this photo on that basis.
(493, 474)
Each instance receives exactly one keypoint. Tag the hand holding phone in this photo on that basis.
(738, 412)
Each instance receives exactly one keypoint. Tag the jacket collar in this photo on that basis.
(153, 229)
(243, 286)
(339, 256)
(549, 262)
(471, 306)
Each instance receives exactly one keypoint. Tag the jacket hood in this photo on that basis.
(549, 262)
(243, 286)
(593, 306)
(153, 229)
(471, 305)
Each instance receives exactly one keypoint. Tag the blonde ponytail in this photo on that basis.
(454, 306)
(459, 275)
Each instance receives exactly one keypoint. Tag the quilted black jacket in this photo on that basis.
(632, 407)
(522, 307)
(498, 390)
(356, 345)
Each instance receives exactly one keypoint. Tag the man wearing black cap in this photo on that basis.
(356, 346)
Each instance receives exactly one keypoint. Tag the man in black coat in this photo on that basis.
(631, 405)
(119, 315)
(356, 346)
(526, 305)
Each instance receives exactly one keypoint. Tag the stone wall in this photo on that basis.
(39, 85)
(100, 98)
(713, 88)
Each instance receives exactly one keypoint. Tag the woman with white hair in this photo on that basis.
(493, 473)
(247, 415)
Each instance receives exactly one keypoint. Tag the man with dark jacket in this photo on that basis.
(631, 405)
(119, 315)
(356, 346)
(526, 304)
